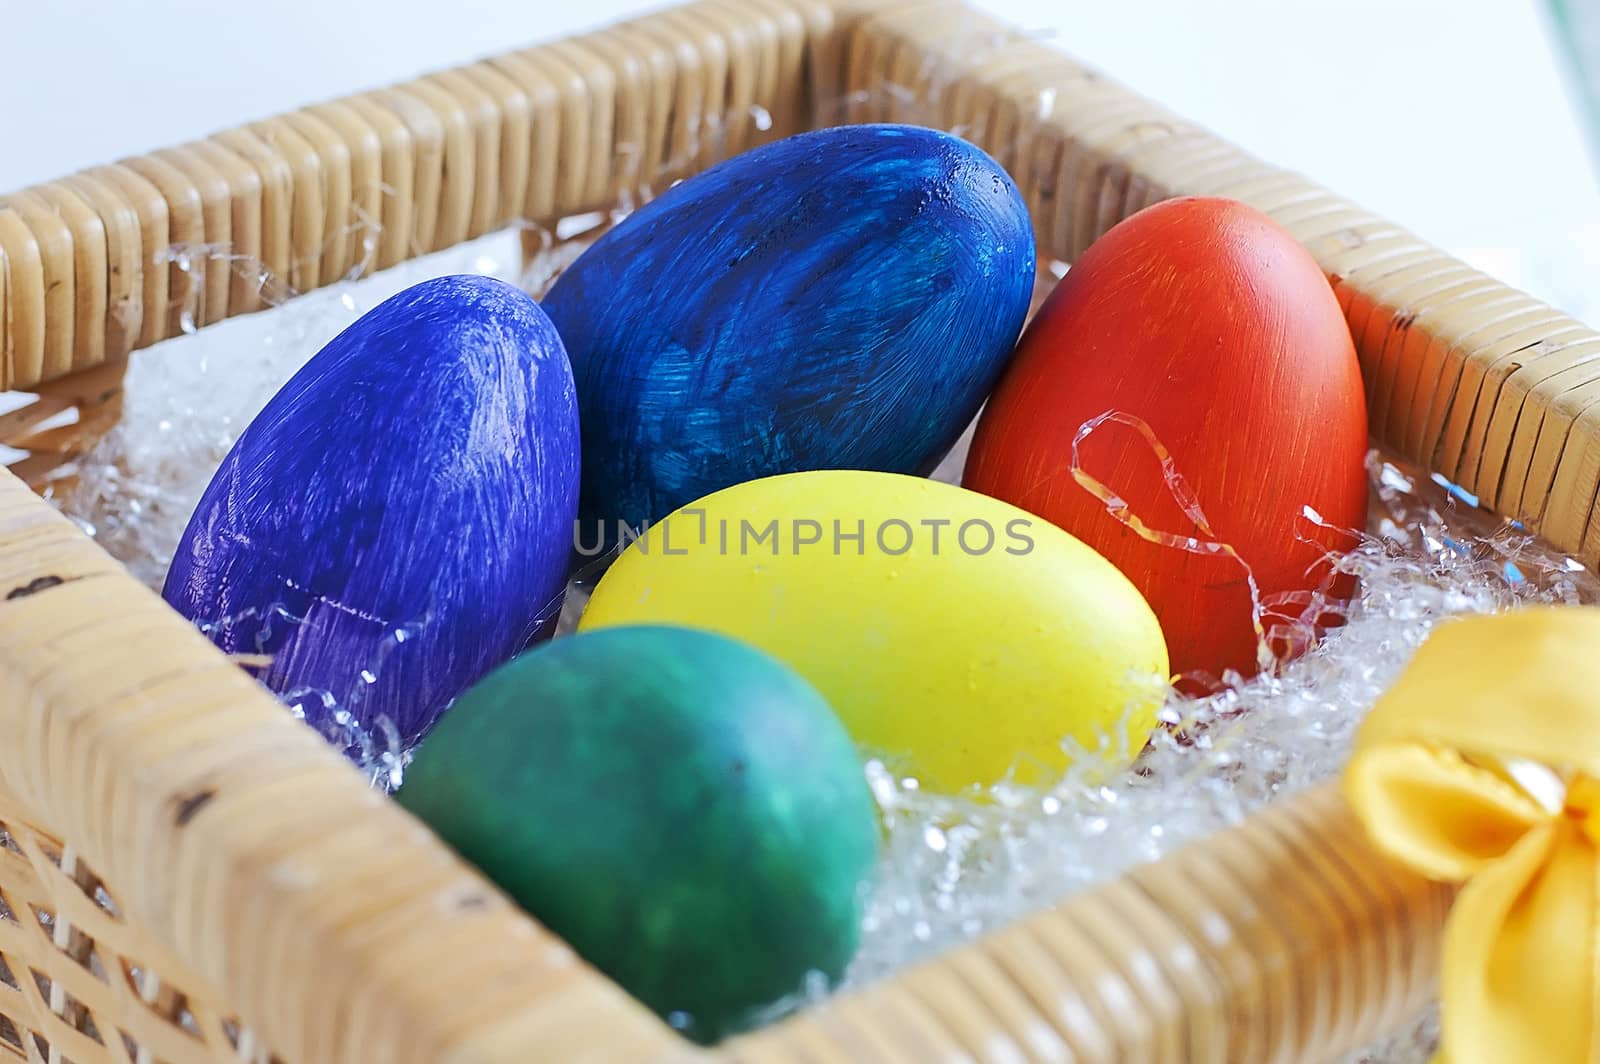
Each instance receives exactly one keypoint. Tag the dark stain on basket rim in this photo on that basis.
(189, 807)
(36, 585)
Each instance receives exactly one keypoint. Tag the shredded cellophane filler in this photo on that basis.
(953, 867)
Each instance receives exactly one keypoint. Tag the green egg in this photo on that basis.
(685, 811)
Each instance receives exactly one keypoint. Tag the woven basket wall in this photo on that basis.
(188, 875)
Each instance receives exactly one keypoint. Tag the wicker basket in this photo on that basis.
(156, 903)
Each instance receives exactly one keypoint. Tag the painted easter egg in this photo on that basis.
(398, 520)
(686, 812)
(1213, 334)
(960, 637)
(842, 299)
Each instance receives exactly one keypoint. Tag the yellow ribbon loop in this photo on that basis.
(1481, 766)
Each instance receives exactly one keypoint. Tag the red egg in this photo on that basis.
(1205, 326)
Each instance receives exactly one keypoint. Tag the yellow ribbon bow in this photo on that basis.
(1482, 766)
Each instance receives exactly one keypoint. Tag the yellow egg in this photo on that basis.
(955, 634)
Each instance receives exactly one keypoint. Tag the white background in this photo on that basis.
(1449, 116)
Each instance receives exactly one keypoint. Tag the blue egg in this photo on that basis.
(843, 299)
(398, 520)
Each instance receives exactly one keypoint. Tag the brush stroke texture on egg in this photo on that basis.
(397, 521)
(842, 299)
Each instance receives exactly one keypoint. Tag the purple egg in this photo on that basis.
(398, 520)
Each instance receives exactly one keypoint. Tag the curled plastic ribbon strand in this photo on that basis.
(1182, 494)
(1481, 766)
(1294, 628)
